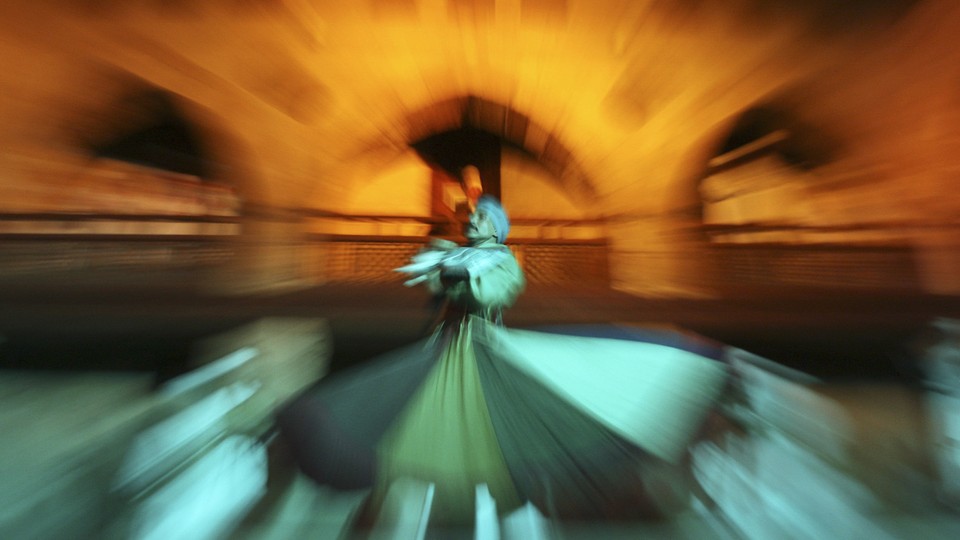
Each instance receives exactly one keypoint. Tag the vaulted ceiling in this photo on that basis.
(619, 98)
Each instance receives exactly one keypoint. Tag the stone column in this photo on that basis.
(661, 256)
(938, 262)
(271, 255)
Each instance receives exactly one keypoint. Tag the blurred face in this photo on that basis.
(479, 228)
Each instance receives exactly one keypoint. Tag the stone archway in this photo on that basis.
(512, 127)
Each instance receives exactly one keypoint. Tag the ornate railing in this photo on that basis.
(890, 268)
(351, 259)
(44, 245)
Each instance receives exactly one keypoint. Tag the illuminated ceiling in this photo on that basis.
(624, 101)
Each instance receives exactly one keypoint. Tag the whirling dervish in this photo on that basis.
(566, 422)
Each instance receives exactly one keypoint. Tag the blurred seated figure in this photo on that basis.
(942, 366)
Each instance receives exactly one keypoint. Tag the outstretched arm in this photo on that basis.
(491, 279)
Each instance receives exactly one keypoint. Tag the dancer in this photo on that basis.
(570, 423)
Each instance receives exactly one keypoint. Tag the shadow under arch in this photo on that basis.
(156, 128)
(763, 129)
(760, 130)
(754, 199)
(484, 118)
